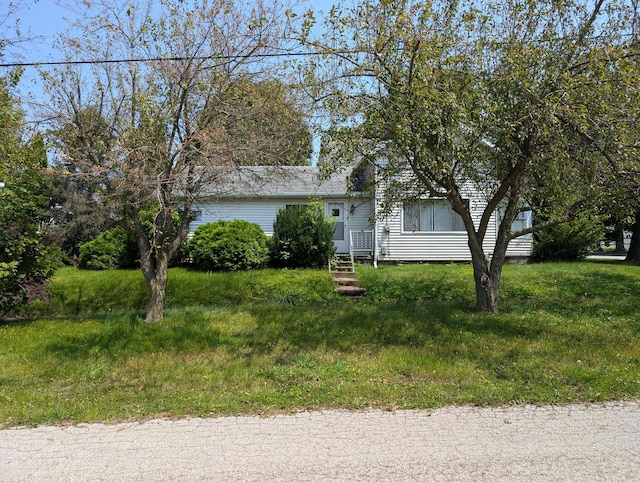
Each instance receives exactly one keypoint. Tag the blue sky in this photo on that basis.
(46, 19)
(43, 20)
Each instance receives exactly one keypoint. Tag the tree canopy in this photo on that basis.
(262, 124)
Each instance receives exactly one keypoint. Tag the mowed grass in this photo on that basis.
(281, 341)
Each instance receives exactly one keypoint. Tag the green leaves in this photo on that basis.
(262, 123)
(27, 259)
(236, 245)
(302, 237)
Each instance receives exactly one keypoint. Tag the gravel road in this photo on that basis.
(578, 442)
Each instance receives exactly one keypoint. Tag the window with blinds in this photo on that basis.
(431, 215)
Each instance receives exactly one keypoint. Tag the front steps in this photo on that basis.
(344, 275)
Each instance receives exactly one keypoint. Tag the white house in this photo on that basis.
(427, 230)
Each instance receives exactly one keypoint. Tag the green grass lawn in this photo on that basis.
(280, 341)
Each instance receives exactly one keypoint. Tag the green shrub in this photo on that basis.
(28, 255)
(111, 250)
(229, 246)
(568, 242)
(302, 237)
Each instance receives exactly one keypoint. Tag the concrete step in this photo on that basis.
(342, 269)
(337, 276)
(344, 275)
(351, 291)
(353, 281)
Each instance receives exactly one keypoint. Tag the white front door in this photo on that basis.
(336, 212)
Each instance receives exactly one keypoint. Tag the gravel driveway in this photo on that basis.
(578, 442)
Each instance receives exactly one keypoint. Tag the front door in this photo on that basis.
(336, 212)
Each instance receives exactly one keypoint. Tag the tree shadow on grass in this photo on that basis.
(528, 313)
(124, 335)
(354, 326)
(343, 327)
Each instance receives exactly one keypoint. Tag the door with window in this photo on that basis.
(336, 212)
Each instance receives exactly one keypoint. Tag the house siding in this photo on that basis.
(263, 212)
(394, 244)
(258, 202)
(360, 218)
(260, 212)
(520, 247)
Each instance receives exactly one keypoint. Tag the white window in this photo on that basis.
(431, 215)
(522, 221)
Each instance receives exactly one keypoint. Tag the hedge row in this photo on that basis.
(303, 237)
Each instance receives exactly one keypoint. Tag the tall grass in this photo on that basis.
(271, 341)
(77, 292)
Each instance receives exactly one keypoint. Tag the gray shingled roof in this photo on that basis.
(281, 181)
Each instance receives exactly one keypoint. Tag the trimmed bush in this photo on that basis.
(111, 250)
(229, 246)
(568, 242)
(302, 237)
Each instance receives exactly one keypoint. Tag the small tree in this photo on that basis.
(229, 246)
(302, 237)
(76, 215)
(570, 241)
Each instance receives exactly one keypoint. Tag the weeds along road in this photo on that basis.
(578, 442)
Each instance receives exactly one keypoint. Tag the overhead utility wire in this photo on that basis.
(209, 57)
(160, 59)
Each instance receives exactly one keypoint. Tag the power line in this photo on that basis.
(164, 59)
(232, 57)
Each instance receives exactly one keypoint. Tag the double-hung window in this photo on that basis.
(431, 215)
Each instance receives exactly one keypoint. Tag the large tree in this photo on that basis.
(27, 259)
(263, 124)
(618, 118)
(504, 96)
(155, 77)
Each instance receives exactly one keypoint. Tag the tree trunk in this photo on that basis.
(486, 290)
(487, 280)
(155, 267)
(634, 249)
(487, 275)
(155, 254)
(157, 288)
(619, 240)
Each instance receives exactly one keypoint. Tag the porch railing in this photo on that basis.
(360, 242)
